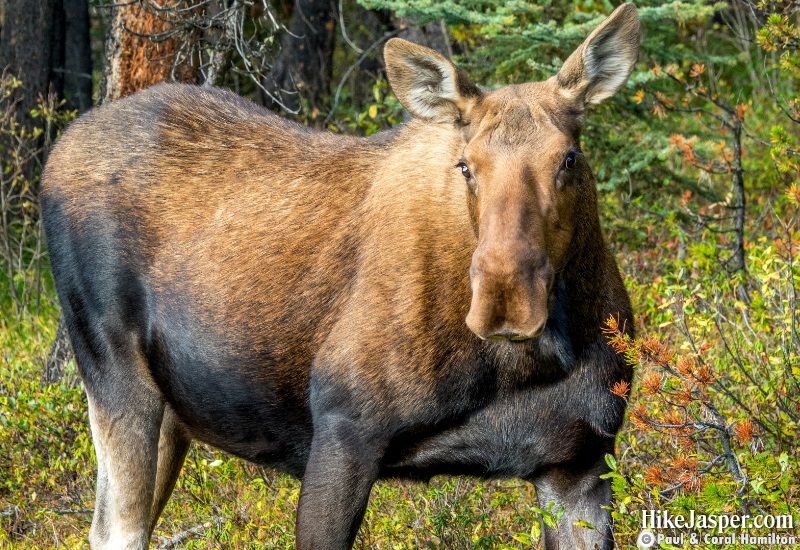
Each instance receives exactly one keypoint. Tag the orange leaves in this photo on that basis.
(677, 141)
(619, 344)
(794, 107)
(685, 464)
(665, 101)
(674, 418)
(741, 111)
(711, 157)
(685, 471)
(655, 476)
(639, 418)
(638, 97)
(744, 431)
(703, 375)
(653, 350)
(684, 395)
(617, 339)
(697, 70)
(651, 383)
(657, 70)
(685, 146)
(674, 401)
(685, 366)
(644, 349)
(621, 389)
(611, 326)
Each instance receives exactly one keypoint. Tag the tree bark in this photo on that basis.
(737, 261)
(26, 49)
(304, 67)
(432, 35)
(234, 13)
(32, 43)
(143, 49)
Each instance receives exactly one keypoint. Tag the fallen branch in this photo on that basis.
(66, 511)
(171, 542)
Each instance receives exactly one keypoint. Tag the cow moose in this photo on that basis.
(425, 301)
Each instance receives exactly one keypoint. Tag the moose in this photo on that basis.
(425, 301)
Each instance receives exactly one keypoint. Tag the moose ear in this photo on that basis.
(597, 69)
(427, 84)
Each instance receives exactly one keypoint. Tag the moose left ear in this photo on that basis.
(597, 69)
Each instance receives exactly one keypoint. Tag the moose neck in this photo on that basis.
(591, 279)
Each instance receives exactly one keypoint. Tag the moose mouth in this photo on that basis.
(509, 336)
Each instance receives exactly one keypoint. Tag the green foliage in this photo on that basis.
(381, 113)
(780, 36)
(514, 42)
(47, 486)
(714, 423)
(21, 149)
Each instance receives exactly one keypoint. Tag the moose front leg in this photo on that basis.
(585, 497)
(341, 469)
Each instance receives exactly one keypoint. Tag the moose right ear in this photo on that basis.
(427, 84)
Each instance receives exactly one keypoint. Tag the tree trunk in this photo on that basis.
(234, 12)
(45, 44)
(77, 64)
(144, 48)
(26, 51)
(26, 43)
(737, 261)
(304, 67)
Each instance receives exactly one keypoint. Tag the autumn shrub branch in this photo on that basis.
(687, 413)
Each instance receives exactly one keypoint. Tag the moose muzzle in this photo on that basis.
(510, 288)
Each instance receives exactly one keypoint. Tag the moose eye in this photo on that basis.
(464, 170)
(569, 162)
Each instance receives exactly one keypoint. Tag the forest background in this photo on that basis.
(697, 161)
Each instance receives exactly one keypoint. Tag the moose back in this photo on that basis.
(426, 301)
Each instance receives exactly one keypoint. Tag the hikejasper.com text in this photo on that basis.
(662, 519)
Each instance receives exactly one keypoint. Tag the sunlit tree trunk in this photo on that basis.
(143, 48)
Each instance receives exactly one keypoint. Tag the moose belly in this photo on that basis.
(515, 436)
(241, 399)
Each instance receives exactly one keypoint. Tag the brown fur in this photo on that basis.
(325, 304)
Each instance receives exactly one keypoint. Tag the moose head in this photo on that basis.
(527, 182)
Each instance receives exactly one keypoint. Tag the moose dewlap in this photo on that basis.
(427, 301)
